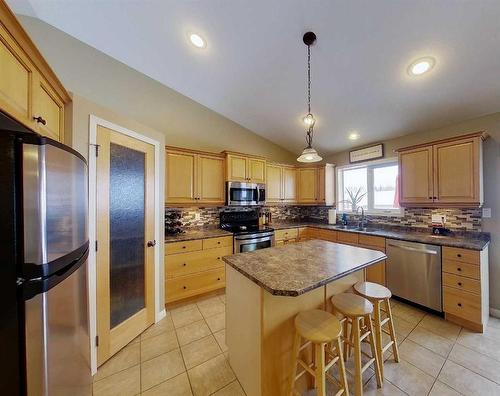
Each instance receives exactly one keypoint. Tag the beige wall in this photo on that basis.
(100, 78)
(491, 164)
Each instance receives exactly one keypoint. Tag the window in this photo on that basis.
(372, 186)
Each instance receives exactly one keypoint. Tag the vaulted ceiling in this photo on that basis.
(253, 69)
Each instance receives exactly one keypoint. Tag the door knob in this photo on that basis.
(151, 243)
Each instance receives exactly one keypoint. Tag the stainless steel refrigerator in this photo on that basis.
(43, 266)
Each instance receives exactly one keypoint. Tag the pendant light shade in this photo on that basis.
(309, 154)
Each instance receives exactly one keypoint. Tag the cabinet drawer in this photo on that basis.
(372, 241)
(212, 243)
(347, 237)
(463, 304)
(189, 263)
(325, 235)
(181, 247)
(462, 283)
(192, 285)
(462, 255)
(290, 233)
(462, 269)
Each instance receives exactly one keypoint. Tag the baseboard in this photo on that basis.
(161, 315)
(495, 313)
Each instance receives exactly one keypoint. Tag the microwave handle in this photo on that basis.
(258, 194)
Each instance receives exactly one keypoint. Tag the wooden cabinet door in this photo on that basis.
(289, 184)
(457, 171)
(180, 177)
(48, 107)
(210, 177)
(416, 179)
(274, 184)
(308, 179)
(321, 184)
(256, 170)
(16, 80)
(237, 168)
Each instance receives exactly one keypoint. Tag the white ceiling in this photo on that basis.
(253, 70)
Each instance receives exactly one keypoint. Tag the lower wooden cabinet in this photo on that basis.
(374, 273)
(465, 287)
(195, 267)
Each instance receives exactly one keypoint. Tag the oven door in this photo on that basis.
(242, 244)
(241, 194)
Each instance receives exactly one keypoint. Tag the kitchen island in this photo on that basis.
(266, 288)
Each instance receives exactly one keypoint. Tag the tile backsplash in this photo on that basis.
(465, 219)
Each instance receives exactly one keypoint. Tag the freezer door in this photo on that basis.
(54, 206)
(57, 338)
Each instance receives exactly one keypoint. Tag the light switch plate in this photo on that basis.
(486, 213)
(197, 216)
(437, 218)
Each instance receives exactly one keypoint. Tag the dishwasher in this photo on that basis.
(413, 272)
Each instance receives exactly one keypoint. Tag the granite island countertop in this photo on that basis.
(292, 270)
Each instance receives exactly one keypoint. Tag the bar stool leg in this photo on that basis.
(295, 357)
(378, 335)
(345, 338)
(342, 373)
(375, 353)
(320, 369)
(358, 375)
(395, 349)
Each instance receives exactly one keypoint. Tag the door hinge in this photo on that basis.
(96, 149)
(96, 246)
(96, 341)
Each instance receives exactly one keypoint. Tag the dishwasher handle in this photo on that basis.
(425, 251)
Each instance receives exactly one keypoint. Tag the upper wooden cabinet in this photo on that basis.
(245, 169)
(193, 177)
(447, 172)
(29, 90)
(316, 185)
(281, 186)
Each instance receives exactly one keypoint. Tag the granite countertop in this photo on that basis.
(292, 270)
(197, 233)
(461, 239)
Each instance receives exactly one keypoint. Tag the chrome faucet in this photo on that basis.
(362, 223)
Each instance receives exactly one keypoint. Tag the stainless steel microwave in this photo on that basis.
(244, 194)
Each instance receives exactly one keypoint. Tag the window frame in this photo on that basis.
(398, 212)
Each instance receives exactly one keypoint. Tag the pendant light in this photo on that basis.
(309, 154)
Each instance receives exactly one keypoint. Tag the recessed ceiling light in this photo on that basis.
(421, 66)
(197, 40)
(353, 136)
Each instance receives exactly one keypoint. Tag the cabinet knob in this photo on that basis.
(218, 243)
(184, 247)
(184, 287)
(218, 279)
(459, 283)
(430, 197)
(459, 255)
(40, 120)
(184, 264)
(459, 304)
(151, 243)
(218, 258)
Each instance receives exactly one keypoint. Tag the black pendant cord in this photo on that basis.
(309, 132)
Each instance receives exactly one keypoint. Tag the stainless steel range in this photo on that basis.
(248, 235)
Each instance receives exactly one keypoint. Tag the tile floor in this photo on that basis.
(185, 354)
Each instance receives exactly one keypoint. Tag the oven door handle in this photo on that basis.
(254, 240)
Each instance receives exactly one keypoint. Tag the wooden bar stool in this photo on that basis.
(379, 295)
(356, 311)
(322, 330)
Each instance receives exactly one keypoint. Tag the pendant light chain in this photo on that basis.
(309, 78)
